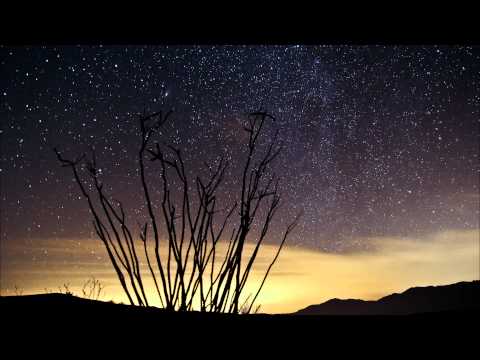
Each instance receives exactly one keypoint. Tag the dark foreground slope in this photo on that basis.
(462, 296)
(46, 323)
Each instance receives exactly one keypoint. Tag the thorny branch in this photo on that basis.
(190, 226)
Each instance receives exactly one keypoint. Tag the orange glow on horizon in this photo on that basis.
(299, 278)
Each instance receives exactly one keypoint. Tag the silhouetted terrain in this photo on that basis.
(462, 296)
(449, 314)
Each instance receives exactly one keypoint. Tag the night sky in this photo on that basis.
(378, 140)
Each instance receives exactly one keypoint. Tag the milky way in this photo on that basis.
(378, 140)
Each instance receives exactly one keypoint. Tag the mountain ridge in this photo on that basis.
(414, 300)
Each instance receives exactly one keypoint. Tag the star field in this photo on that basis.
(378, 140)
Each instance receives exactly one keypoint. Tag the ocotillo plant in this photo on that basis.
(191, 273)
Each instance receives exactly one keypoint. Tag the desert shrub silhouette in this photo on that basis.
(192, 274)
(92, 289)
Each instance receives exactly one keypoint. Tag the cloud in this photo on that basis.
(310, 277)
(300, 277)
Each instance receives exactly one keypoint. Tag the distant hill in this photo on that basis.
(462, 296)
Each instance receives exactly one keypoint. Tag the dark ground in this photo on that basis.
(63, 325)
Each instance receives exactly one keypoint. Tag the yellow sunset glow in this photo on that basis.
(300, 277)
